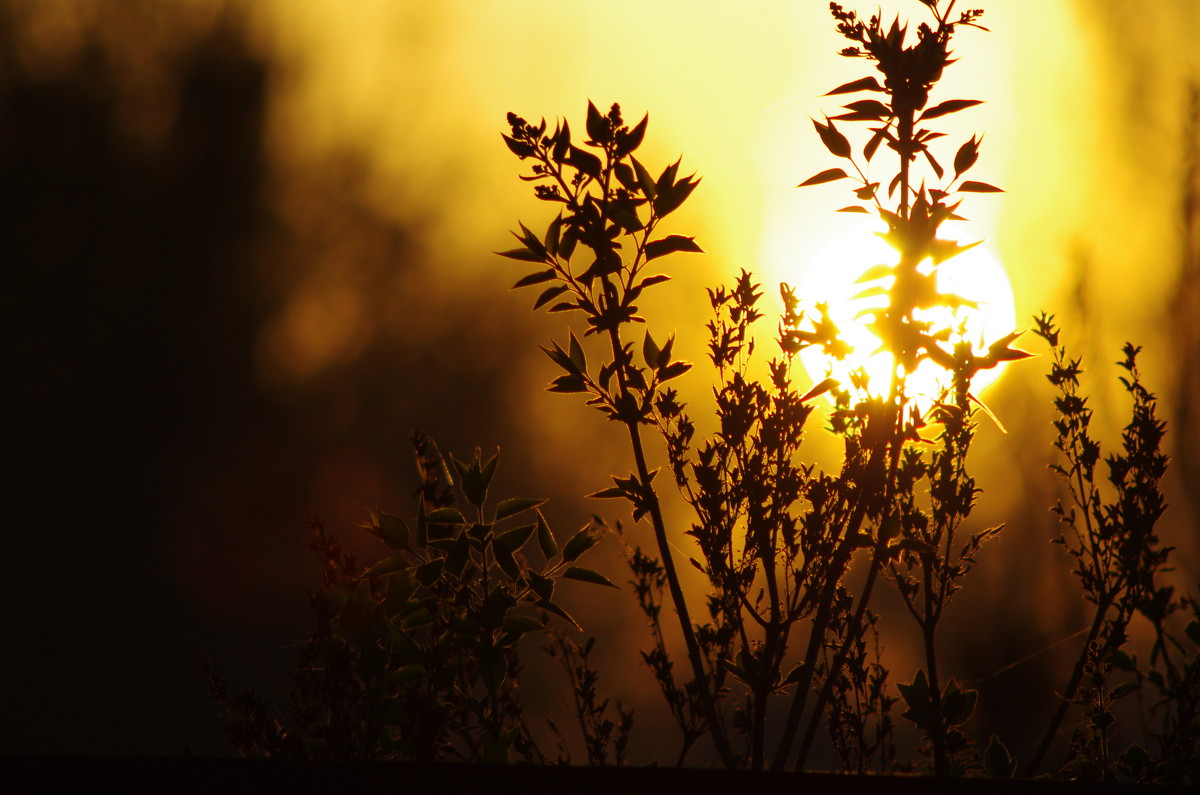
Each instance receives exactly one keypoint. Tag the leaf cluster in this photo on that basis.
(416, 657)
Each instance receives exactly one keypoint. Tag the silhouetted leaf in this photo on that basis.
(597, 125)
(521, 149)
(535, 278)
(949, 106)
(644, 179)
(671, 244)
(581, 542)
(576, 354)
(523, 254)
(670, 197)
(649, 350)
(880, 134)
(866, 110)
(506, 561)
(854, 208)
(516, 505)
(545, 538)
(834, 141)
(387, 566)
(978, 187)
(997, 761)
(445, 516)
(549, 294)
(587, 575)
(585, 162)
(966, 156)
(632, 139)
(937, 167)
(520, 624)
(865, 84)
(828, 175)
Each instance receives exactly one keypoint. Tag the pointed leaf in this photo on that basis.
(834, 141)
(445, 516)
(535, 278)
(597, 125)
(865, 84)
(516, 505)
(545, 537)
(979, 187)
(671, 244)
(522, 254)
(587, 575)
(387, 566)
(949, 106)
(828, 175)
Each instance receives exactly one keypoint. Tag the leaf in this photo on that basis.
(549, 294)
(568, 384)
(445, 516)
(828, 175)
(866, 110)
(506, 562)
(586, 162)
(865, 84)
(632, 139)
(597, 125)
(535, 278)
(581, 542)
(516, 538)
(522, 254)
(671, 244)
(854, 208)
(834, 141)
(966, 156)
(545, 537)
(670, 198)
(519, 624)
(516, 505)
(428, 573)
(551, 607)
(576, 354)
(873, 144)
(997, 760)
(937, 167)
(949, 106)
(979, 187)
(387, 566)
(644, 179)
(652, 280)
(521, 149)
(876, 272)
(460, 552)
(587, 575)
(392, 530)
(649, 350)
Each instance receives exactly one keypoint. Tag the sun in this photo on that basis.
(975, 275)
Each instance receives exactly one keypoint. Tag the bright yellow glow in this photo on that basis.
(975, 275)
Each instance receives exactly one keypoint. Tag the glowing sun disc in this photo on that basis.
(976, 275)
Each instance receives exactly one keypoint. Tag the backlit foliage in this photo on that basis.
(417, 656)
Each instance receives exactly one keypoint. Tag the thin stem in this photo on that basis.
(838, 661)
(1065, 702)
(664, 548)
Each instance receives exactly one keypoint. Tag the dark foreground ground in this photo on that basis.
(54, 774)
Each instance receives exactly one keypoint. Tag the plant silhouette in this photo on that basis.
(786, 645)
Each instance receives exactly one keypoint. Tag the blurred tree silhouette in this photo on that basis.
(162, 481)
